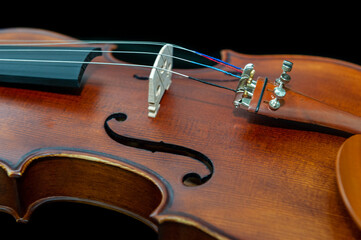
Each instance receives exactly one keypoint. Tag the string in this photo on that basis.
(238, 69)
(115, 64)
(121, 52)
(77, 42)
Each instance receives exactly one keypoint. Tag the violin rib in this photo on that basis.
(58, 174)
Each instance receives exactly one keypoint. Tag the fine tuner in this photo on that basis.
(279, 92)
(247, 85)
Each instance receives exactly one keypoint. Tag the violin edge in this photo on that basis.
(228, 54)
(17, 174)
(158, 219)
(347, 154)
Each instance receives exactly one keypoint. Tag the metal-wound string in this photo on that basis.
(78, 42)
(120, 52)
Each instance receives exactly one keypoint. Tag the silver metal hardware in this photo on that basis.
(285, 78)
(287, 66)
(279, 92)
(245, 87)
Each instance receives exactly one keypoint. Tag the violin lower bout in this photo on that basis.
(102, 182)
(79, 180)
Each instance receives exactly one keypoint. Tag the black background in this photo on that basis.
(330, 30)
(246, 27)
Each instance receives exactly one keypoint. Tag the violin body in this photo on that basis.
(271, 178)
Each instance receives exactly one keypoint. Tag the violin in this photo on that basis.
(241, 149)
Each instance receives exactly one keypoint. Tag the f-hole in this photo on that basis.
(189, 179)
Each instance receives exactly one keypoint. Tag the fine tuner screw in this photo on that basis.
(279, 92)
(285, 78)
(287, 66)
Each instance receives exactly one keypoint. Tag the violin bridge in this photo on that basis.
(160, 79)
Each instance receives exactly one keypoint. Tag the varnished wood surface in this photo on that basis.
(348, 168)
(273, 179)
(298, 107)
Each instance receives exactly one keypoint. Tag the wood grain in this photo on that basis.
(298, 107)
(348, 168)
